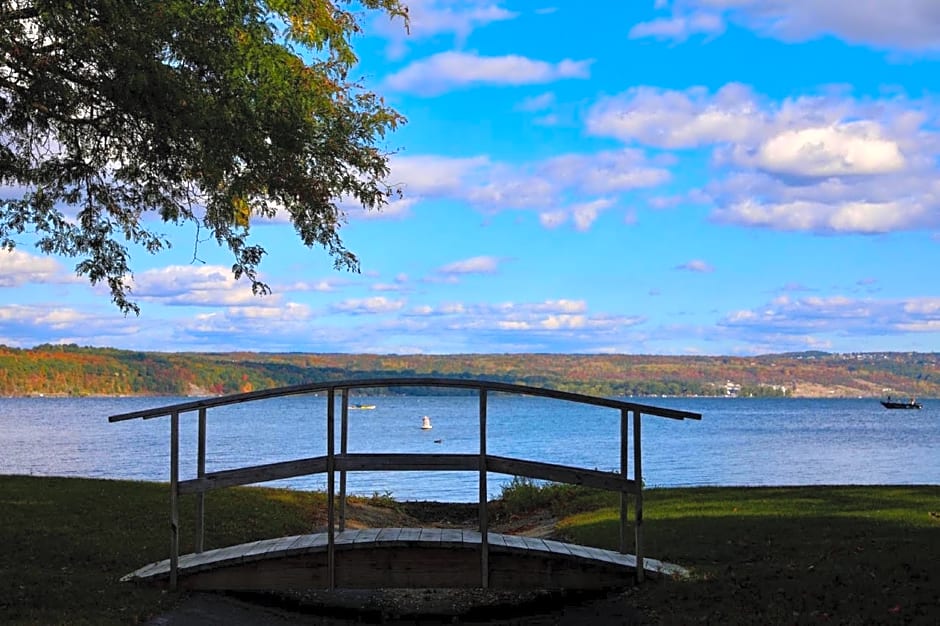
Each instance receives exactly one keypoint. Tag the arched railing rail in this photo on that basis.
(342, 462)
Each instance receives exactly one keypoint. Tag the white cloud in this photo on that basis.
(844, 217)
(368, 306)
(447, 71)
(696, 265)
(838, 150)
(540, 102)
(20, 268)
(554, 188)
(430, 18)
(474, 265)
(679, 27)
(433, 174)
(585, 213)
(911, 25)
(818, 317)
(27, 325)
(828, 163)
(607, 171)
(677, 119)
(202, 285)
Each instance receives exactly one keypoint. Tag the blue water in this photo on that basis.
(738, 442)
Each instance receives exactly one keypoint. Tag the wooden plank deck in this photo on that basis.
(403, 557)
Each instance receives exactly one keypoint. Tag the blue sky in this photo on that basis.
(724, 177)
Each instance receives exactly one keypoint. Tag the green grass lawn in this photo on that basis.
(840, 555)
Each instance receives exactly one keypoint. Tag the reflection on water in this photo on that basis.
(738, 442)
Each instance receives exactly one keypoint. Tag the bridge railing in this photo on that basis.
(333, 462)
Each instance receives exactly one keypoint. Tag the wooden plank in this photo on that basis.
(407, 462)
(347, 537)
(388, 535)
(315, 542)
(557, 547)
(514, 542)
(409, 534)
(425, 557)
(367, 535)
(559, 473)
(472, 537)
(254, 474)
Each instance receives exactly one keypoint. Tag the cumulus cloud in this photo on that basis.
(447, 71)
(848, 216)
(26, 325)
(824, 163)
(558, 189)
(678, 119)
(818, 316)
(430, 18)
(202, 285)
(909, 25)
(837, 150)
(526, 321)
(679, 27)
(20, 268)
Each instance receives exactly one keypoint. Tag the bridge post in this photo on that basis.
(174, 497)
(330, 488)
(484, 520)
(201, 473)
(624, 461)
(343, 443)
(638, 476)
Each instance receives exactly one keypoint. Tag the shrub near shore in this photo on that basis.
(844, 555)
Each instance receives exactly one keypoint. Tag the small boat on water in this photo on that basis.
(362, 407)
(426, 423)
(894, 404)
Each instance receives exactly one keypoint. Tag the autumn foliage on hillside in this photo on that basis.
(69, 370)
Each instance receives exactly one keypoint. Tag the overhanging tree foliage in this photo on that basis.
(115, 112)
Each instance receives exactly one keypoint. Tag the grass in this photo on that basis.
(844, 555)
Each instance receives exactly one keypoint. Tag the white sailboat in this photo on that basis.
(426, 423)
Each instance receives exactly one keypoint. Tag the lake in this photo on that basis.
(740, 441)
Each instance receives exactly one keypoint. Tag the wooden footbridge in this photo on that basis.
(403, 557)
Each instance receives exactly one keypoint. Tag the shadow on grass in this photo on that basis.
(787, 555)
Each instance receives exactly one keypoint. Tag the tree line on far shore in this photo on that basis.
(70, 370)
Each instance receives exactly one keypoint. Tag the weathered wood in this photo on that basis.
(343, 444)
(255, 474)
(428, 540)
(638, 495)
(559, 473)
(484, 518)
(457, 383)
(201, 473)
(402, 557)
(330, 470)
(174, 498)
(386, 462)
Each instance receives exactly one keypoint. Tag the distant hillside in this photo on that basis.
(76, 371)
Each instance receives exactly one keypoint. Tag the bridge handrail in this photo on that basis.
(343, 462)
(365, 383)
